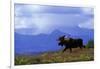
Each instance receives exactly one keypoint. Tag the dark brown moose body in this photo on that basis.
(70, 43)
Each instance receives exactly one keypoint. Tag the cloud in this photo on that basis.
(28, 9)
(23, 10)
(88, 11)
(39, 19)
(87, 25)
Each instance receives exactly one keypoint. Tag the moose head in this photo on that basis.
(61, 39)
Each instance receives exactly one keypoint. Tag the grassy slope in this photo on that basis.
(57, 57)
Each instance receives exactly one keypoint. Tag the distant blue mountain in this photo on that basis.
(37, 43)
(44, 42)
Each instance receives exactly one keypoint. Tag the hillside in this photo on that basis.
(86, 54)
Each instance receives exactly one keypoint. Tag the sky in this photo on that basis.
(42, 19)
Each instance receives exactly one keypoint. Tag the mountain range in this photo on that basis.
(45, 42)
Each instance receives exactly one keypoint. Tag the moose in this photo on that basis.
(70, 43)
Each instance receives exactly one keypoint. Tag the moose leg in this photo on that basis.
(83, 46)
(70, 50)
(64, 49)
(80, 47)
